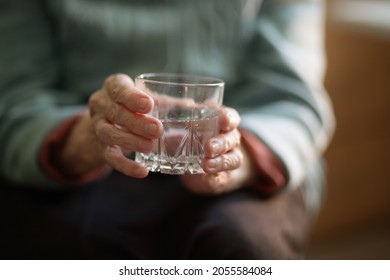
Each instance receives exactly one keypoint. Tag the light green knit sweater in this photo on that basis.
(54, 54)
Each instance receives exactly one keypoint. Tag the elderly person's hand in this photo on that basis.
(117, 123)
(227, 166)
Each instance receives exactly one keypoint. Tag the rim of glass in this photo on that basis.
(199, 80)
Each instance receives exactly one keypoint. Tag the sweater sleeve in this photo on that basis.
(31, 104)
(283, 72)
(270, 175)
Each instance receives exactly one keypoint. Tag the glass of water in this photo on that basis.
(187, 106)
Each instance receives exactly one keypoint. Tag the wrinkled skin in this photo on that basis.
(117, 123)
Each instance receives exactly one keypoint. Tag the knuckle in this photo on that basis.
(94, 101)
(230, 143)
(113, 79)
(104, 133)
(232, 117)
(214, 165)
(116, 85)
(228, 162)
(109, 80)
(112, 113)
(117, 92)
(237, 137)
(111, 154)
(231, 140)
(232, 161)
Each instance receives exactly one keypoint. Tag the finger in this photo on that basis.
(142, 125)
(114, 157)
(215, 184)
(225, 162)
(222, 143)
(121, 90)
(204, 184)
(229, 118)
(98, 102)
(222, 182)
(111, 135)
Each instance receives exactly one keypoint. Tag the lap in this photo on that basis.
(152, 218)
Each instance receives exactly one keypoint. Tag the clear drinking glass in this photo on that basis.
(187, 106)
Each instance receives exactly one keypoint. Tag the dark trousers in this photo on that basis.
(152, 218)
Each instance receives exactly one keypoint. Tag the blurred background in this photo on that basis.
(355, 220)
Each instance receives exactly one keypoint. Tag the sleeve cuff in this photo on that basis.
(52, 145)
(271, 175)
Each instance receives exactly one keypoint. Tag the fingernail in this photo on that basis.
(216, 147)
(212, 163)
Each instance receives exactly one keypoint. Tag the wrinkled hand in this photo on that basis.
(226, 164)
(118, 123)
